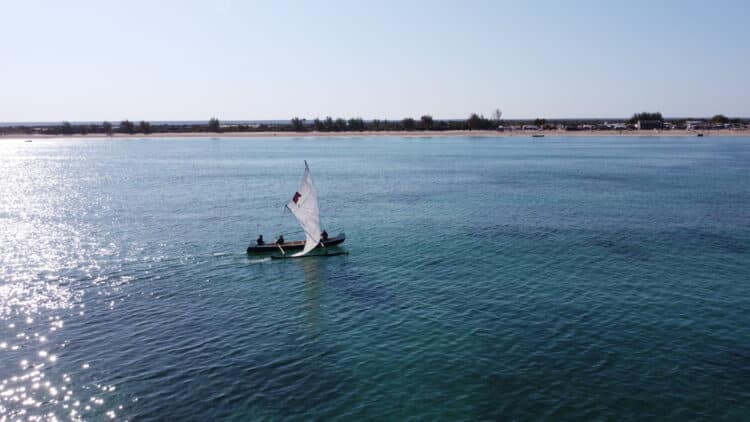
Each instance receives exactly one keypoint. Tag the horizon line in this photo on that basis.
(168, 121)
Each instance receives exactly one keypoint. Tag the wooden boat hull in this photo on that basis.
(293, 246)
(311, 255)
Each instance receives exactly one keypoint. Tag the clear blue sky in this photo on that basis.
(182, 60)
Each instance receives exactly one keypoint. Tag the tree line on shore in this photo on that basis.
(327, 124)
(107, 128)
(425, 122)
(716, 119)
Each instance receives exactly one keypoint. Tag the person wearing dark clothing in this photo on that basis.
(324, 236)
(280, 240)
(260, 240)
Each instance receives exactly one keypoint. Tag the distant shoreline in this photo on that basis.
(404, 134)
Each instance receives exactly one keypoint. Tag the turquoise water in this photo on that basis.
(508, 278)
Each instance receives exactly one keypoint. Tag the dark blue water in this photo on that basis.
(508, 278)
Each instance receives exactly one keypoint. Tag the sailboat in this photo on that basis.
(304, 207)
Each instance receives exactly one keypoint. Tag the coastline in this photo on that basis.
(404, 134)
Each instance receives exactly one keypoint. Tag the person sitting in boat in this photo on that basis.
(324, 236)
(280, 240)
(260, 240)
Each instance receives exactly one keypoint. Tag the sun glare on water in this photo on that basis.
(43, 261)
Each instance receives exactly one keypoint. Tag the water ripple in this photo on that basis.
(488, 279)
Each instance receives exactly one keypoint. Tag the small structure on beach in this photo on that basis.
(649, 124)
(696, 125)
(615, 126)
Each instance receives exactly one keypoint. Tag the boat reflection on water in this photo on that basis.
(311, 269)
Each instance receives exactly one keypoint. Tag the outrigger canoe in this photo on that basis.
(294, 246)
(304, 207)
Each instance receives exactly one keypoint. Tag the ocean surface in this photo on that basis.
(488, 279)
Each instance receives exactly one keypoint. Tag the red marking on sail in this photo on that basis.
(296, 197)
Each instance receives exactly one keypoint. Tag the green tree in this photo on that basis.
(408, 123)
(646, 116)
(427, 122)
(356, 124)
(498, 114)
(298, 124)
(144, 127)
(214, 125)
(318, 125)
(474, 121)
(539, 122)
(67, 128)
(328, 123)
(107, 128)
(126, 126)
(339, 125)
(720, 118)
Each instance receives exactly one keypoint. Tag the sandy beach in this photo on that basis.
(403, 134)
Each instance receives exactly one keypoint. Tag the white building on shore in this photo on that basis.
(696, 125)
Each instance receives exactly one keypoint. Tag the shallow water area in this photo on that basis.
(488, 278)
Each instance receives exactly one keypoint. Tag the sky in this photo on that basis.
(246, 60)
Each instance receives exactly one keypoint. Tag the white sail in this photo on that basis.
(304, 206)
